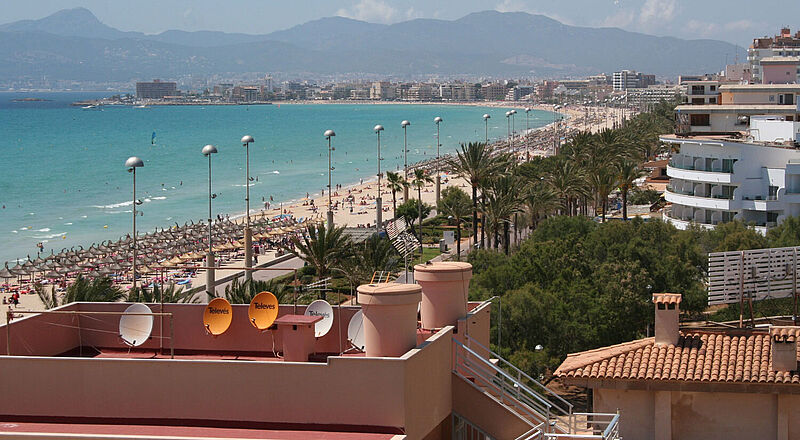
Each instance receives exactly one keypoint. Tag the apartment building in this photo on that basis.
(783, 45)
(156, 89)
(738, 159)
(382, 90)
(630, 79)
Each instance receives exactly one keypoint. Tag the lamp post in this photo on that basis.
(207, 151)
(405, 125)
(379, 214)
(508, 127)
(248, 233)
(513, 127)
(527, 127)
(131, 164)
(486, 118)
(437, 120)
(328, 135)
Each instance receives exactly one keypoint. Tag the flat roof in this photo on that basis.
(699, 138)
(109, 429)
(740, 108)
(759, 87)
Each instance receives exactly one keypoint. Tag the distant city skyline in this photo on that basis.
(735, 21)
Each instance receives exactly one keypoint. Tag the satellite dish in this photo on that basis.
(217, 317)
(321, 308)
(263, 310)
(135, 326)
(355, 330)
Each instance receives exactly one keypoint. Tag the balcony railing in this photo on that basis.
(693, 168)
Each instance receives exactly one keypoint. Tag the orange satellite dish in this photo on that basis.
(263, 310)
(217, 317)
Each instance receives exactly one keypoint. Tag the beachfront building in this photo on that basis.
(630, 79)
(382, 90)
(404, 377)
(156, 89)
(736, 160)
(646, 97)
(696, 384)
(783, 45)
(494, 91)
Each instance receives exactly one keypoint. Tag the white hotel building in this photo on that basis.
(738, 159)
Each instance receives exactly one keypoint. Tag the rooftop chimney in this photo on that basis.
(667, 314)
(784, 348)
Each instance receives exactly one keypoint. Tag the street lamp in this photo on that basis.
(328, 135)
(508, 127)
(527, 128)
(131, 164)
(379, 214)
(207, 151)
(437, 120)
(513, 128)
(405, 125)
(486, 118)
(248, 233)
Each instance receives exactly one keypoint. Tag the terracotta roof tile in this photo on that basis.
(704, 356)
(667, 298)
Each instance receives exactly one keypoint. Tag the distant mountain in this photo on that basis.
(73, 44)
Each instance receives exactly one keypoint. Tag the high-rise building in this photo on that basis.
(156, 89)
(382, 90)
(630, 79)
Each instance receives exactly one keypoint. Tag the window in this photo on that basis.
(699, 120)
(773, 193)
(727, 165)
(771, 98)
(713, 88)
(697, 101)
(712, 100)
(772, 217)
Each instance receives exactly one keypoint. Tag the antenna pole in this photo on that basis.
(171, 337)
(8, 331)
(741, 290)
(794, 288)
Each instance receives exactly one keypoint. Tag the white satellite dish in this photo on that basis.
(321, 308)
(136, 324)
(355, 330)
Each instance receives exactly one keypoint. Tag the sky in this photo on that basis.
(735, 21)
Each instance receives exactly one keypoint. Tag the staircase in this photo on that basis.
(549, 416)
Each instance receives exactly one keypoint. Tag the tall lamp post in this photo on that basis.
(405, 125)
(207, 151)
(486, 118)
(513, 127)
(248, 233)
(131, 164)
(508, 128)
(379, 213)
(437, 120)
(328, 135)
(527, 127)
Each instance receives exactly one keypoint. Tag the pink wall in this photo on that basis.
(42, 335)
(392, 392)
(779, 74)
(190, 335)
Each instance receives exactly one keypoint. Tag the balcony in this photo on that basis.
(690, 172)
(719, 204)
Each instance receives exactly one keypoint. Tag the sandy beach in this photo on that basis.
(353, 204)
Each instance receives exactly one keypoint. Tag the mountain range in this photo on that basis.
(74, 45)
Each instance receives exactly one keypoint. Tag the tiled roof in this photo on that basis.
(667, 298)
(699, 356)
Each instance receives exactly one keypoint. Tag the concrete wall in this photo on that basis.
(413, 392)
(42, 335)
(637, 410)
(189, 334)
(702, 416)
(485, 412)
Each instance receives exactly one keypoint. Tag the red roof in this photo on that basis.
(699, 356)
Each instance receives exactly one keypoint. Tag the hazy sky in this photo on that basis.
(737, 21)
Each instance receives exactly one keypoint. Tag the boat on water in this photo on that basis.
(91, 107)
(140, 106)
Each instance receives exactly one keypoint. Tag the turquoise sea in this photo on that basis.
(63, 180)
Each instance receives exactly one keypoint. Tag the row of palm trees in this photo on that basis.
(577, 180)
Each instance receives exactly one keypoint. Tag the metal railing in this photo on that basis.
(549, 415)
(511, 388)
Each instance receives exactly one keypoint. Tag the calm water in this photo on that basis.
(63, 180)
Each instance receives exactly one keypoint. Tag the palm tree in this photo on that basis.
(243, 293)
(502, 202)
(541, 199)
(165, 294)
(396, 183)
(321, 248)
(603, 181)
(569, 181)
(420, 179)
(455, 203)
(627, 172)
(475, 164)
(98, 290)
